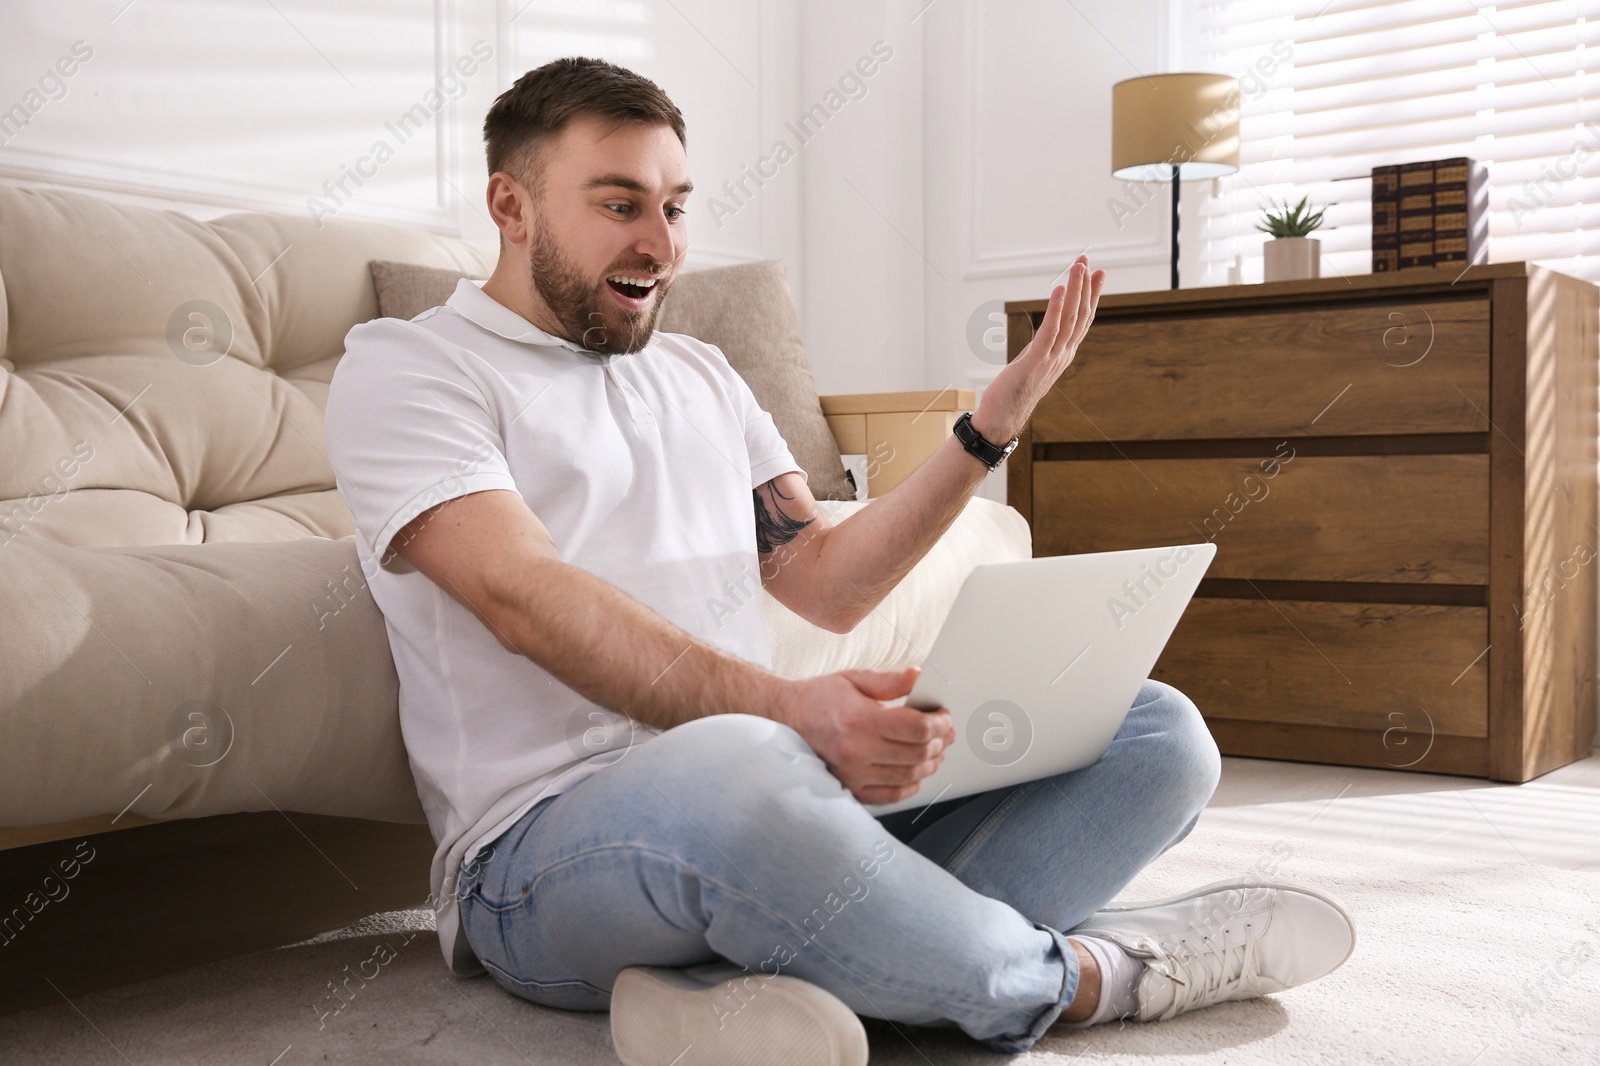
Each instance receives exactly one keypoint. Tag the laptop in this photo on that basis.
(1040, 659)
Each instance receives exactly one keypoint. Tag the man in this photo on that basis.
(632, 811)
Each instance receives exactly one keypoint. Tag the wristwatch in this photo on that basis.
(990, 455)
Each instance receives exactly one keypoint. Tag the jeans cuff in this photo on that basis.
(1041, 1024)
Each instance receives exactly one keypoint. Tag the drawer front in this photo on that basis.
(1404, 518)
(1408, 672)
(1382, 369)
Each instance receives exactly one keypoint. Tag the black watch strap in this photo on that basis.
(991, 455)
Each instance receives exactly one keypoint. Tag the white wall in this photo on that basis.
(863, 196)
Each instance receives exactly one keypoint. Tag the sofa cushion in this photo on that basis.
(900, 632)
(189, 360)
(281, 652)
(744, 310)
(196, 679)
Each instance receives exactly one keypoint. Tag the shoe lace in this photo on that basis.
(1206, 973)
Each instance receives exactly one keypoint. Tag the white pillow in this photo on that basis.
(900, 631)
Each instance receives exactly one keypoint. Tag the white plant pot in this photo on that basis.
(1292, 258)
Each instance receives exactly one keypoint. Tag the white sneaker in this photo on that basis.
(721, 1015)
(1226, 941)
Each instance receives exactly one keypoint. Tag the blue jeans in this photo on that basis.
(728, 838)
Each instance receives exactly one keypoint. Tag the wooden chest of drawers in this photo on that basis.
(1399, 473)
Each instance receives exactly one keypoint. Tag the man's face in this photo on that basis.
(613, 205)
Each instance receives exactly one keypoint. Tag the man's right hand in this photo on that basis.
(880, 753)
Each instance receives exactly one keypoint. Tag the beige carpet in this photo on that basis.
(1459, 962)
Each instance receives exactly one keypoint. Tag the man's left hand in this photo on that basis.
(1009, 400)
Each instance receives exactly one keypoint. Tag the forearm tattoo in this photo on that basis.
(774, 527)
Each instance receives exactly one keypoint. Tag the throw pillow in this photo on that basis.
(746, 311)
(900, 631)
(405, 290)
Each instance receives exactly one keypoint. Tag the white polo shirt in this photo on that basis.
(640, 465)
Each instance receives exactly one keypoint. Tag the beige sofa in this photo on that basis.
(184, 626)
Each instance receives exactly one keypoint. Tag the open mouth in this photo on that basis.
(634, 288)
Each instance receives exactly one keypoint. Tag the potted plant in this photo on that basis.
(1291, 254)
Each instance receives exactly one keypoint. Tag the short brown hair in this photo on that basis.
(541, 103)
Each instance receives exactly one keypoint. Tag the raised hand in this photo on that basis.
(1009, 400)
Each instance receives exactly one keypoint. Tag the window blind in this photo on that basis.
(1331, 88)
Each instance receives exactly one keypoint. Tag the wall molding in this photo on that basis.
(446, 124)
(767, 118)
(87, 173)
(75, 173)
(1051, 260)
(983, 264)
(703, 258)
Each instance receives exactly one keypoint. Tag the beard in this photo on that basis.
(589, 317)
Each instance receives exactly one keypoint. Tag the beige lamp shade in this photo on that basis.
(1190, 121)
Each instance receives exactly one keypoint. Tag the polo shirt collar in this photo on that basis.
(473, 304)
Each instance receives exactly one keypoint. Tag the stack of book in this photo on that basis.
(1429, 214)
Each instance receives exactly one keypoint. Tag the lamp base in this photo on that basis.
(1174, 227)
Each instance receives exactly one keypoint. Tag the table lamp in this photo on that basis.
(1175, 127)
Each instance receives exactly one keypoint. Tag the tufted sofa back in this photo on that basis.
(171, 373)
(184, 626)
